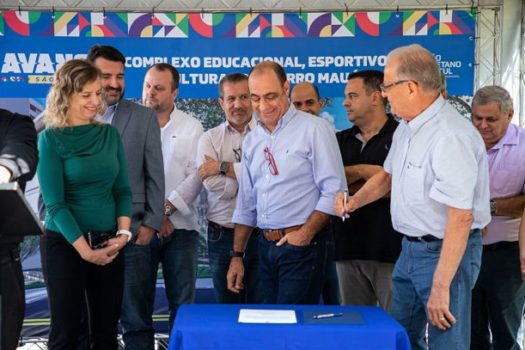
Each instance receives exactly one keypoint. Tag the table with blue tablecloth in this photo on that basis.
(206, 327)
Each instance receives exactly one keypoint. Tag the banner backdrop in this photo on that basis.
(318, 47)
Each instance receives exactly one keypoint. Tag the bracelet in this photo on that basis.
(123, 231)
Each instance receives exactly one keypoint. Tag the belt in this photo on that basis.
(219, 227)
(425, 238)
(9, 256)
(276, 234)
(500, 246)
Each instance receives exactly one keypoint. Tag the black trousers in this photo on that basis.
(12, 298)
(70, 281)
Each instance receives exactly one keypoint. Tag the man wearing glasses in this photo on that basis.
(437, 173)
(219, 156)
(291, 171)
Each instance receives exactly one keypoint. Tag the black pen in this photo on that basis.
(337, 314)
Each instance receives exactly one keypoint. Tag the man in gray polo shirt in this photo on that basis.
(437, 173)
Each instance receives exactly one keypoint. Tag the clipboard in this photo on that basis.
(16, 216)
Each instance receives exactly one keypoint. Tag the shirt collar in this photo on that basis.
(427, 115)
(285, 119)
(173, 116)
(389, 124)
(509, 138)
(252, 124)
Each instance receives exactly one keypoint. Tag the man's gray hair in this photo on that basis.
(417, 63)
(493, 93)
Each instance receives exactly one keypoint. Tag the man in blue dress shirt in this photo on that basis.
(291, 173)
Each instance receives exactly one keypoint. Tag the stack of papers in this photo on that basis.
(267, 316)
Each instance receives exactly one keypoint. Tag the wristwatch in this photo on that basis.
(236, 254)
(223, 168)
(492, 207)
(168, 210)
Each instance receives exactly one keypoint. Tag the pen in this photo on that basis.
(337, 314)
(345, 201)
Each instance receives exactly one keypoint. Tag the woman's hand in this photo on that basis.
(119, 242)
(102, 256)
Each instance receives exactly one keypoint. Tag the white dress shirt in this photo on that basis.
(180, 137)
(437, 160)
(223, 143)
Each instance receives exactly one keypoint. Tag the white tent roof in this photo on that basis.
(239, 5)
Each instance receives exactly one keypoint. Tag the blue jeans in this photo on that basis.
(412, 282)
(137, 302)
(178, 255)
(330, 291)
(294, 274)
(220, 243)
(498, 298)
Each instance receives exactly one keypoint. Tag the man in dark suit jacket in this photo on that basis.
(140, 132)
(18, 160)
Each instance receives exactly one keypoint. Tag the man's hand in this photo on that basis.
(235, 275)
(340, 209)
(209, 168)
(144, 235)
(5, 175)
(438, 308)
(166, 228)
(297, 238)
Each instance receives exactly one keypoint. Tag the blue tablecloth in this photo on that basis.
(206, 327)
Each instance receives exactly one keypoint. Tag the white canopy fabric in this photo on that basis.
(240, 5)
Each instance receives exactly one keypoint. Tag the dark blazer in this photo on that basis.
(140, 132)
(18, 150)
(18, 153)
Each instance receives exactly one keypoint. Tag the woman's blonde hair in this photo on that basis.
(68, 79)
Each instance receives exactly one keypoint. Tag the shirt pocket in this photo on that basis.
(179, 146)
(293, 160)
(414, 183)
(505, 183)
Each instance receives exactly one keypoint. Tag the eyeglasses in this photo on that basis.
(271, 161)
(386, 87)
(238, 154)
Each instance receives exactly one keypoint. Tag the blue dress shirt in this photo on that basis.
(310, 173)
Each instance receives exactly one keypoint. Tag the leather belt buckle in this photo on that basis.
(275, 235)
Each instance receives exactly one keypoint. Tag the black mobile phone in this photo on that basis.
(98, 239)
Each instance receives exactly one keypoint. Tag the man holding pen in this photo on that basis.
(437, 173)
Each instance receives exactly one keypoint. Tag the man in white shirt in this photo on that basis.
(219, 157)
(175, 246)
(437, 174)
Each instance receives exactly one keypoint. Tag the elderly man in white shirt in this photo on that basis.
(175, 246)
(437, 173)
(219, 157)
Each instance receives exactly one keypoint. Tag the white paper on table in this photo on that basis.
(267, 316)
